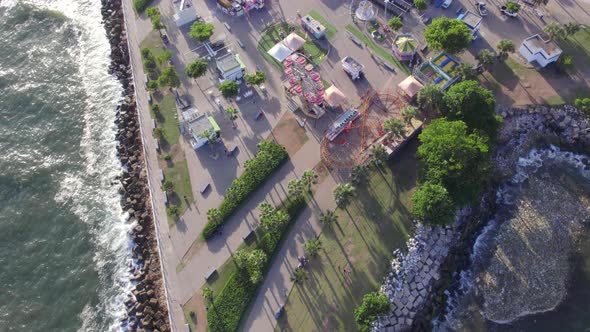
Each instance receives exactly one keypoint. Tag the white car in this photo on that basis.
(447, 3)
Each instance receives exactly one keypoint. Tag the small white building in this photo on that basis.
(199, 126)
(472, 21)
(184, 13)
(230, 67)
(542, 51)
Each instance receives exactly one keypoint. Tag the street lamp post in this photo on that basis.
(386, 2)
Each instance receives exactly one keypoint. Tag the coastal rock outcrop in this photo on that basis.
(147, 308)
(524, 128)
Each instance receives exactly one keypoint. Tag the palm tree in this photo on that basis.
(409, 113)
(312, 247)
(343, 193)
(299, 275)
(359, 174)
(466, 72)
(430, 98)
(208, 294)
(394, 127)
(554, 30)
(505, 46)
(328, 218)
(485, 58)
(309, 177)
(295, 188)
(571, 28)
(378, 155)
(232, 113)
(168, 185)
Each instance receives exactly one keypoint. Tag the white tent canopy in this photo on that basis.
(279, 52)
(293, 41)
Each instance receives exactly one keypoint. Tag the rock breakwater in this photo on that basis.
(524, 128)
(147, 308)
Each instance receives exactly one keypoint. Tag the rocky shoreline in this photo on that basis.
(523, 129)
(147, 308)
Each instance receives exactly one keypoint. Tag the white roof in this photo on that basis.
(293, 41)
(280, 52)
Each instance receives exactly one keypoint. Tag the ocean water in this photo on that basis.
(63, 238)
(572, 313)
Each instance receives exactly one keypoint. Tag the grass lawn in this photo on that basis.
(272, 35)
(376, 223)
(155, 44)
(377, 49)
(520, 70)
(177, 172)
(167, 120)
(578, 46)
(330, 30)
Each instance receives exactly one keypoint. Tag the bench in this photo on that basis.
(158, 145)
(210, 274)
(240, 43)
(204, 187)
(227, 26)
(388, 66)
(165, 198)
(356, 41)
(248, 236)
(161, 176)
(231, 150)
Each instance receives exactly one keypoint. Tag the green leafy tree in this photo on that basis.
(471, 103)
(486, 58)
(343, 193)
(312, 247)
(455, 158)
(554, 30)
(164, 57)
(156, 110)
(420, 5)
(566, 62)
(433, 205)
(359, 174)
(512, 7)
(394, 128)
(214, 216)
(409, 113)
(430, 98)
(252, 262)
(583, 104)
(232, 113)
(149, 61)
(374, 304)
(309, 177)
(571, 28)
(395, 23)
(154, 15)
(174, 211)
(299, 275)
(505, 46)
(466, 72)
(169, 78)
(328, 218)
(168, 157)
(201, 31)
(153, 85)
(157, 133)
(196, 68)
(449, 34)
(295, 188)
(228, 89)
(256, 78)
(168, 185)
(141, 5)
(152, 11)
(378, 155)
(208, 294)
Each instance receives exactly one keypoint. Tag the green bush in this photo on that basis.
(374, 304)
(141, 5)
(233, 300)
(269, 157)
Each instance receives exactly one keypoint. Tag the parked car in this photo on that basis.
(447, 3)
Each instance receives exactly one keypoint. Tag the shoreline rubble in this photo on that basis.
(524, 128)
(146, 306)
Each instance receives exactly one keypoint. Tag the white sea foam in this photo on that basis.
(90, 193)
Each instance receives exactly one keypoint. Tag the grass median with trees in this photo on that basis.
(270, 157)
(252, 263)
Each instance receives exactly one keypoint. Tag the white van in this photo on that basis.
(447, 3)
